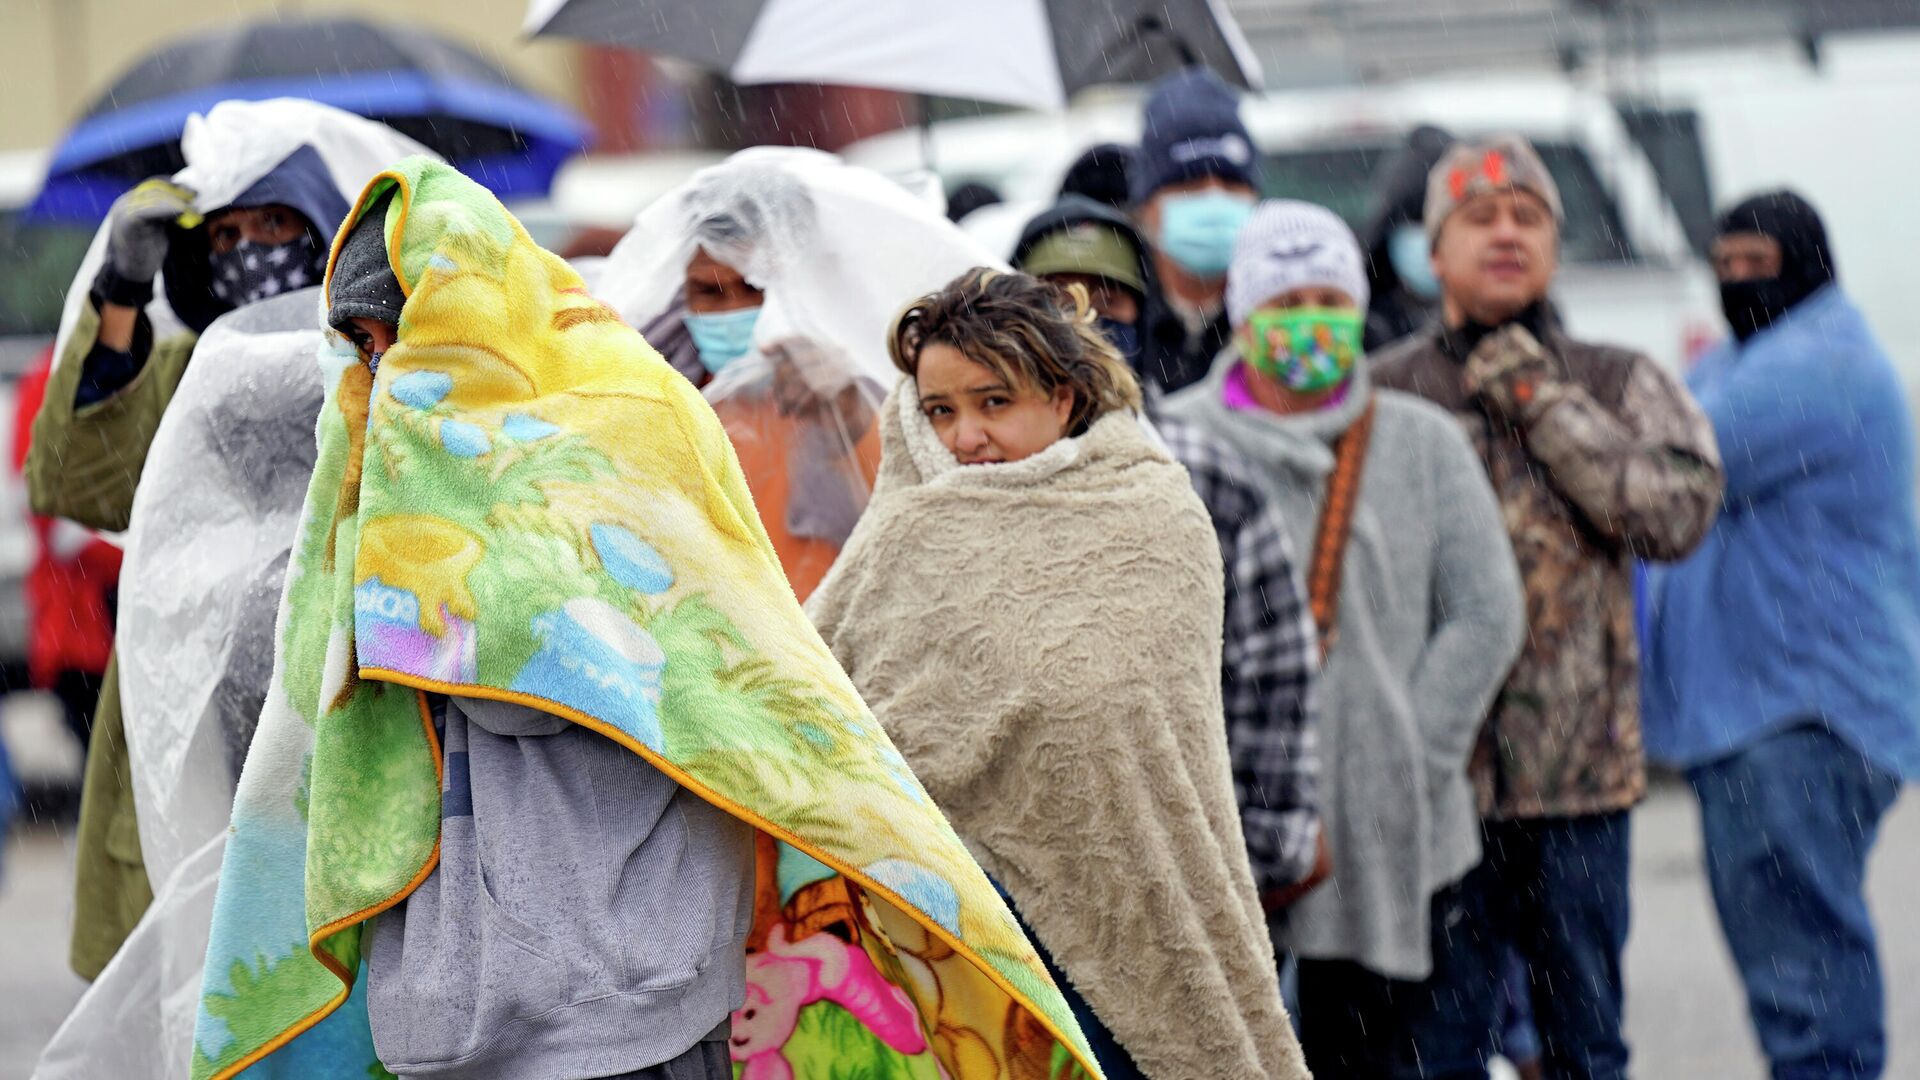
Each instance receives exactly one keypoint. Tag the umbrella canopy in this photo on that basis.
(447, 97)
(1035, 53)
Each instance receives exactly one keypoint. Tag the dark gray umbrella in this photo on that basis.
(445, 96)
(1035, 53)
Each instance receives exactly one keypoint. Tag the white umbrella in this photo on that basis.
(1034, 53)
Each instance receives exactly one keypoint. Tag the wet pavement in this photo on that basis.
(36, 987)
(1685, 1016)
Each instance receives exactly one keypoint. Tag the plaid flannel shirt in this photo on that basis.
(1270, 664)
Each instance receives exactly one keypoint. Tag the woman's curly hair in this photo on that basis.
(1028, 332)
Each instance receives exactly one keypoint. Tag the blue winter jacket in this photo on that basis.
(1803, 604)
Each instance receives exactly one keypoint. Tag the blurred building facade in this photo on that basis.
(1322, 42)
(59, 55)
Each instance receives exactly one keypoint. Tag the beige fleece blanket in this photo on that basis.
(1041, 640)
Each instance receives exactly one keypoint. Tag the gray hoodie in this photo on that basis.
(588, 917)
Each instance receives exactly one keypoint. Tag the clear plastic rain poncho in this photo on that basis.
(213, 523)
(838, 251)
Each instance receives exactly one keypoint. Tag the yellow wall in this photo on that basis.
(56, 56)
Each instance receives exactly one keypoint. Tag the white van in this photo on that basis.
(1629, 276)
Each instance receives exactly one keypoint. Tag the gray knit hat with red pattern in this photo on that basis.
(1475, 167)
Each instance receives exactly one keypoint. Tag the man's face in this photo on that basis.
(1746, 257)
(714, 287)
(1111, 300)
(270, 226)
(1496, 254)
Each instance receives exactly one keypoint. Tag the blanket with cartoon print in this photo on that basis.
(525, 503)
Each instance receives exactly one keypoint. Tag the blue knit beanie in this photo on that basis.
(1192, 129)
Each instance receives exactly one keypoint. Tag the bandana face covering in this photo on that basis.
(1305, 349)
(251, 272)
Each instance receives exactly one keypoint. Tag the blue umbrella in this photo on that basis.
(449, 98)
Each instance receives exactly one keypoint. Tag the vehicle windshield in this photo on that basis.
(1341, 179)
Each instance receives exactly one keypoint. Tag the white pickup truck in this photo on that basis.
(1628, 278)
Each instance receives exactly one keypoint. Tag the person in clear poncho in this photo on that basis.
(240, 223)
(244, 221)
(769, 281)
(224, 468)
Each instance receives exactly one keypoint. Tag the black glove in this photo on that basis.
(137, 239)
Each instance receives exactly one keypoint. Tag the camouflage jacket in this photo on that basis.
(1598, 458)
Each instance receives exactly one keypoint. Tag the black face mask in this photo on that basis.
(1755, 304)
(1125, 338)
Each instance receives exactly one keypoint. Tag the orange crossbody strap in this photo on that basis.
(1336, 524)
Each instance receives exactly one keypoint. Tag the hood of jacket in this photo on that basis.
(300, 180)
(1075, 210)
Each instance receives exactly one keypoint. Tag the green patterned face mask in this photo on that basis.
(1305, 349)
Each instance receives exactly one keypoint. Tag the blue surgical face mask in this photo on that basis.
(1412, 259)
(722, 337)
(1125, 337)
(1198, 230)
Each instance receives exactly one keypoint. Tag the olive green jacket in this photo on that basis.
(85, 462)
(83, 465)
(110, 886)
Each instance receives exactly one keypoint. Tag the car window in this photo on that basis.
(1592, 232)
(1671, 139)
(1341, 178)
(41, 258)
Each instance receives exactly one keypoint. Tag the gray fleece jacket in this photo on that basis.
(1430, 619)
(588, 917)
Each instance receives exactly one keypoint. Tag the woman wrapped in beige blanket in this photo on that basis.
(1032, 607)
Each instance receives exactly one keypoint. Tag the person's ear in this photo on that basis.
(1062, 404)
